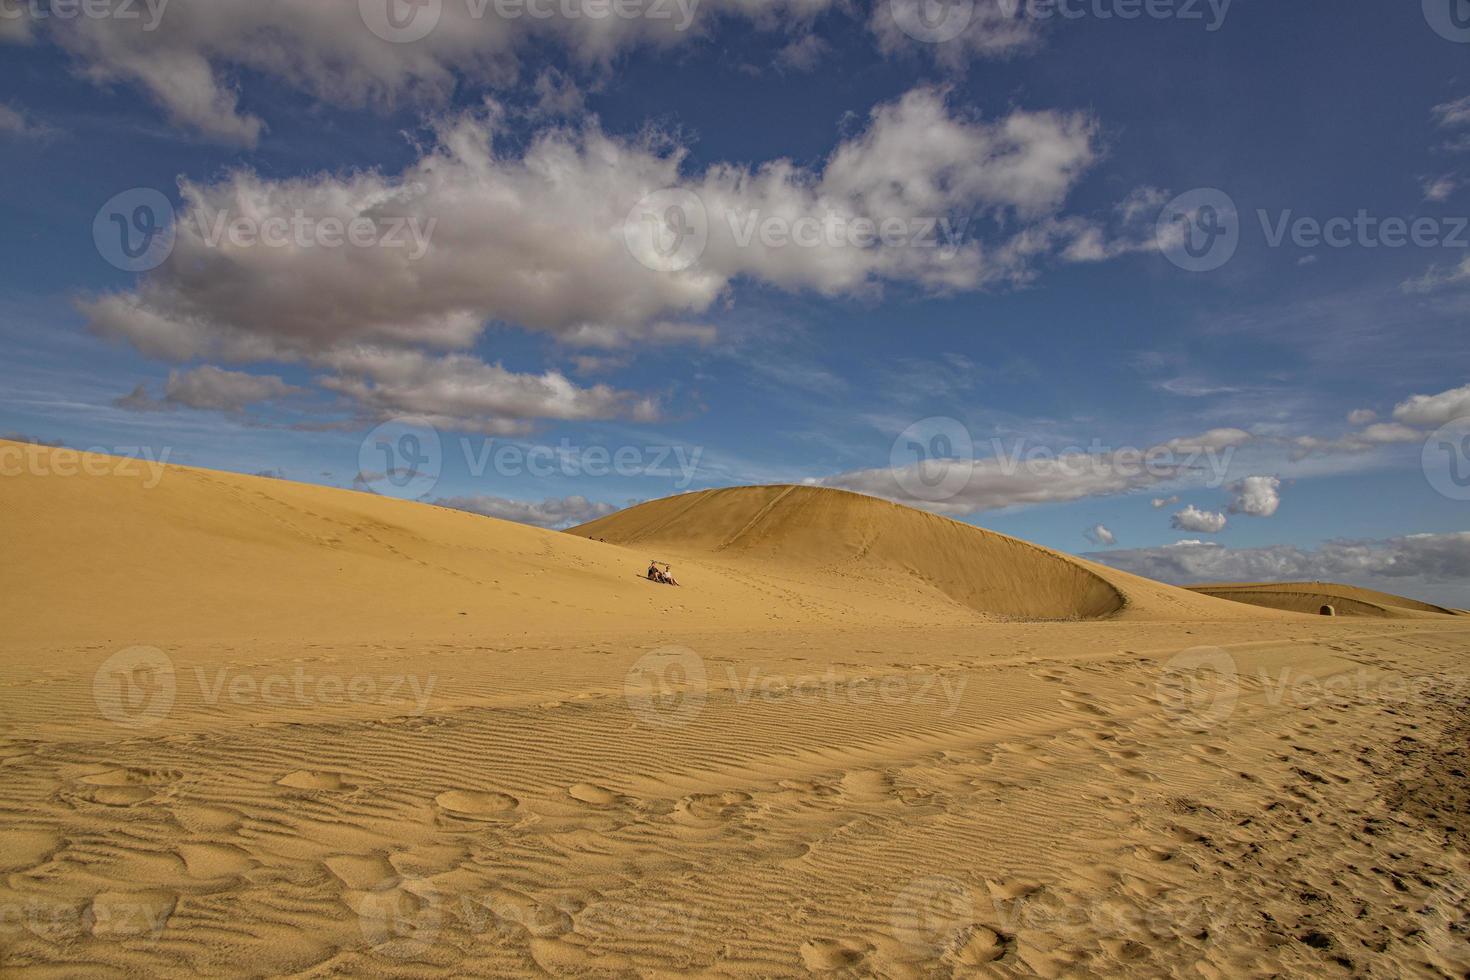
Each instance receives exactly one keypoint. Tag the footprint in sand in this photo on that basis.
(1012, 889)
(306, 779)
(1077, 703)
(713, 806)
(119, 787)
(540, 919)
(214, 860)
(808, 788)
(827, 955)
(207, 819)
(362, 872)
(916, 796)
(121, 795)
(470, 803)
(27, 848)
(592, 795)
(1157, 855)
(978, 946)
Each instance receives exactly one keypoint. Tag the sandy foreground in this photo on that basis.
(250, 728)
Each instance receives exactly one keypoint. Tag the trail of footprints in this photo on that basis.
(387, 859)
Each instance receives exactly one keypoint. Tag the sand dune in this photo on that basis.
(1311, 597)
(856, 543)
(249, 728)
(257, 557)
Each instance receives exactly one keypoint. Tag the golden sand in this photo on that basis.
(258, 728)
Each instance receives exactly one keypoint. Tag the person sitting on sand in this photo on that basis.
(662, 575)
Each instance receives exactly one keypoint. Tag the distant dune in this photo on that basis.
(1311, 597)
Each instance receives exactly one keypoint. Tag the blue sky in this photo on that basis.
(549, 308)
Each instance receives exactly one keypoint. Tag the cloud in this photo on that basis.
(1362, 416)
(11, 121)
(1434, 410)
(226, 391)
(191, 59)
(15, 30)
(1439, 189)
(1373, 437)
(208, 388)
(1192, 518)
(1159, 503)
(464, 393)
(1021, 475)
(1450, 115)
(1436, 278)
(536, 236)
(1427, 557)
(557, 96)
(552, 512)
(537, 239)
(1192, 387)
(803, 54)
(987, 31)
(1255, 496)
(1099, 534)
(16, 123)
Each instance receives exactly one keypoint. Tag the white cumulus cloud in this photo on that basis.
(1192, 518)
(1433, 411)
(1255, 496)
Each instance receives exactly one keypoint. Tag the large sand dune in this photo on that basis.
(249, 728)
(854, 543)
(1312, 597)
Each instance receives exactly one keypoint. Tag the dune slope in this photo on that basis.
(1310, 597)
(832, 536)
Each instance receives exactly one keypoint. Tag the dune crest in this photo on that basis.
(841, 534)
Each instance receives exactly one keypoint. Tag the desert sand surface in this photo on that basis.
(1310, 597)
(254, 728)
